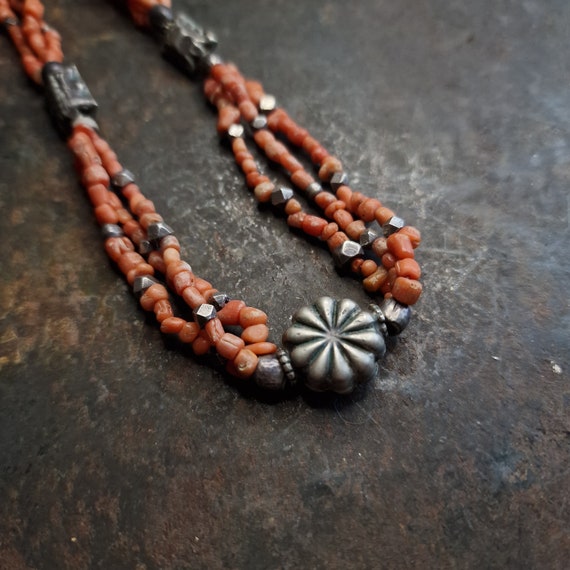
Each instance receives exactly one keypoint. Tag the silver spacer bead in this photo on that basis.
(396, 315)
(145, 247)
(204, 313)
(280, 196)
(155, 232)
(367, 237)
(267, 103)
(377, 313)
(219, 300)
(312, 190)
(236, 131)
(285, 362)
(346, 252)
(112, 231)
(142, 283)
(122, 179)
(393, 225)
(260, 122)
(269, 373)
(338, 179)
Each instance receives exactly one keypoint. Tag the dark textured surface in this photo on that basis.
(117, 451)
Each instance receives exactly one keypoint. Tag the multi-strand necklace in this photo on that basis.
(331, 344)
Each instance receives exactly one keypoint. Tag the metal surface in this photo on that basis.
(120, 450)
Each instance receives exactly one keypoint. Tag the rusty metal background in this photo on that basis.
(119, 451)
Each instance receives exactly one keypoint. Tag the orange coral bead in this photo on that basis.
(255, 333)
(214, 330)
(229, 315)
(245, 363)
(172, 325)
(414, 235)
(201, 345)
(407, 291)
(374, 282)
(189, 332)
(383, 215)
(313, 225)
(368, 267)
(229, 345)
(408, 268)
(193, 297)
(249, 316)
(261, 348)
(400, 245)
(379, 246)
(388, 260)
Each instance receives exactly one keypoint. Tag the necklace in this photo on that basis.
(331, 344)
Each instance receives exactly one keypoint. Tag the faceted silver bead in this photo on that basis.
(145, 247)
(339, 179)
(236, 131)
(280, 196)
(219, 300)
(334, 344)
(393, 225)
(122, 178)
(155, 232)
(367, 237)
(312, 190)
(269, 374)
(204, 313)
(111, 230)
(142, 283)
(396, 315)
(346, 252)
(267, 103)
(260, 122)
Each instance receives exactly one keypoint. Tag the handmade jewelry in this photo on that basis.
(331, 344)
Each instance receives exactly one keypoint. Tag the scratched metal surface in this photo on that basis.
(118, 451)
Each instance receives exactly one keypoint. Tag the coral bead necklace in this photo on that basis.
(331, 344)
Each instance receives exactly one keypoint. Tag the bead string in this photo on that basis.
(143, 246)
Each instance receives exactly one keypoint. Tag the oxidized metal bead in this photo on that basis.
(160, 18)
(285, 362)
(67, 95)
(267, 103)
(145, 247)
(155, 232)
(334, 344)
(236, 131)
(346, 252)
(219, 300)
(338, 179)
(393, 225)
(269, 374)
(260, 122)
(142, 283)
(280, 196)
(122, 178)
(377, 313)
(396, 315)
(312, 190)
(111, 231)
(367, 237)
(204, 313)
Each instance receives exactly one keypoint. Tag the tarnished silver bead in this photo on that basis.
(122, 179)
(111, 231)
(285, 362)
(280, 196)
(377, 313)
(260, 122)
(160, 17)
(346, 252)
(393, 225)
(334, 344)
(269, 373)
(219, 300)
(339, 179)
(367, 237)
(155, 232)
(312, 190)
(267, 103)
(204, 313)
(396, 315)
(145, 247)
(142, 283)
(236, 131)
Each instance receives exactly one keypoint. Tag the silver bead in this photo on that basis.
(312, 190)
(280, 196)
(393, 225)
(122, 179)
(260, 122)
(111, 231)
(219, 300)
(142, 283)
(160, 18)
(236, 131)
(204, 313)
(339, 179)
(145, 247)
(334, 344)
(212, 59)
(377, 313)
(286, 365)
(346, 252)
(269, 374)
(267, 103)
(367, 237)
(155, 232)
(396, 315)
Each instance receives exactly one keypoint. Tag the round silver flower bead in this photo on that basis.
(334, 345)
